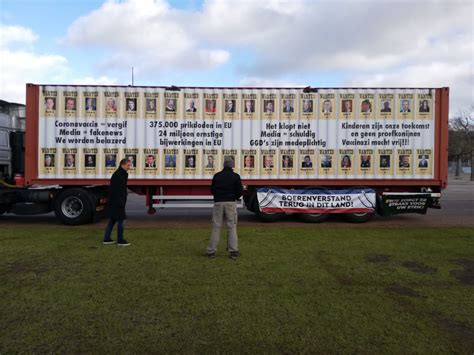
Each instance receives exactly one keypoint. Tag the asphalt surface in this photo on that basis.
(457, 203)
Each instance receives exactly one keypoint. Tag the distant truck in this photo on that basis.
(12, 128)
(305, 151)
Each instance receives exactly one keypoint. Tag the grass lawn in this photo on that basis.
(307, 289)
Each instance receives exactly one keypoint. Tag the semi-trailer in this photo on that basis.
(305, 151)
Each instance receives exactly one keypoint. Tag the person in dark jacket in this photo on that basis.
(226, 188)
(116, 201)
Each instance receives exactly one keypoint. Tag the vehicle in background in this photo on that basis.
(12, 150)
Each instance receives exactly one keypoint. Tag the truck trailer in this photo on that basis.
(308, 151)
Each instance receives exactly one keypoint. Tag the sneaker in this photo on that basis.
(234, 254)
(211, 255)
(123, 243)
(108, 241)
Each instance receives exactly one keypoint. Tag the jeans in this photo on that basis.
(110, 226)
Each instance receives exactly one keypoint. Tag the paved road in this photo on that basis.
(457, 210)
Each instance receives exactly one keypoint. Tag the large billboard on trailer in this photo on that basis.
(329, 134)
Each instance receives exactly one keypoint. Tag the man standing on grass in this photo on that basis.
(116, 201)
(226, 188)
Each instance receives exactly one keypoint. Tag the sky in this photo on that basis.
(322, 43)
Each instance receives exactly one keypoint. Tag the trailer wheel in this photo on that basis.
(359, 217)
(363, 216)
(73, 207)
(313, 217)
(269, 217)
(265, 216)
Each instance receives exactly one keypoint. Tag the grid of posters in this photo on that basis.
(84, 132)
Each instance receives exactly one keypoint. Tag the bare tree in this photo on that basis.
(461, 139)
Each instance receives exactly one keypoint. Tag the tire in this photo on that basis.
(269, 217)
(313, 217)
(359, 217)
(264, 216)
(3, 209)
(364, 216)
(74, 207)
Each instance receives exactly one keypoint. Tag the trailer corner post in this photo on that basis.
(31, 135)
(443, 137)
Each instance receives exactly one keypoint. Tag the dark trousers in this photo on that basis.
(110, 226)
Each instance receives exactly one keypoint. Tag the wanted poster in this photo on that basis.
(191, 105)
(90, 161)
(50, 103)
(249, 162)
(69, 161)
(231, 104)
(385, 162)
(111, 160)
(89, 106)
(288, 106)
(70, 104)
(151, 102)
(327, 106)
(171, 158)
(133, 156)
(386, 106)
(268, 106)
(151, 161)
(307, 162)
(249, 105)
(308, 106)
(48, 161)
(424, 106)
(211, 163)
(405, 106)
(269, 162)
(210, 105)
(347, 102)
(131, 104)
(346, 162)
(404, 162)
(326, 161)
(367, 106)
(288, 161)
(365, 165)
(233, 155)
(111, 99)
(191, 162)
(423, 161)
(171, 104)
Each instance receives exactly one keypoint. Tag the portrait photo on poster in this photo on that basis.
(50, 103)
(171, 105)
(90, 160)
(91, 104)
(110, 160)
(70, 104)
(249, 106)
(150, 161)
(170, 160)
(230, 106)
(151, 105)
(307, 106)
(111, 105)
(191, 105)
